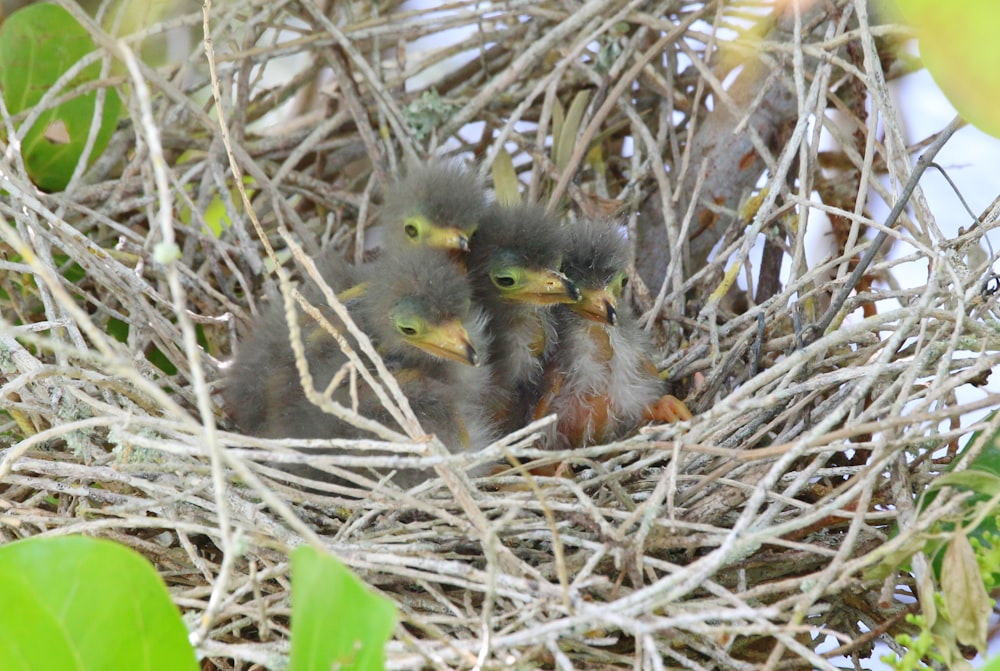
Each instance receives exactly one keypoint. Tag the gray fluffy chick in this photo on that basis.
(417, 310)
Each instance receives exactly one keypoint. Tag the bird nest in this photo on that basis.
(829, 388)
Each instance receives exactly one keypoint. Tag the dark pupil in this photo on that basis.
(505, 281)
(624, 281)
(411, 230)
(408, 330)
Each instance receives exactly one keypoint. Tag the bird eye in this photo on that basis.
(504, 281)
(413, 226)
(408, 325)
(624, 281)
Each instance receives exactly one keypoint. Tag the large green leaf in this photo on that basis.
(81, 604)
(337, 621)
(38, 44)
(959, 46)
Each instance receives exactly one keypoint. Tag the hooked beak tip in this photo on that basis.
(571, 289)
(611, 313)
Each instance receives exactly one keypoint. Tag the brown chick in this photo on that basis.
(601, 380)
(514, 273)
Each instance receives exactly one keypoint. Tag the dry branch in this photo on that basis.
(739, 540)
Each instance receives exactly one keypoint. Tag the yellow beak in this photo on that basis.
(546, 287)
(447, 238)
(449, 341)
(597, 305)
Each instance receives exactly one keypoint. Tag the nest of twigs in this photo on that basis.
(828, 389)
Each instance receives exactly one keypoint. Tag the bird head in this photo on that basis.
(595, 260)
(413, 317)
(516, 254)
(437, 205)
(516, 278)
(417, 303)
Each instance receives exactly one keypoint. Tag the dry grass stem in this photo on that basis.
(828, 391)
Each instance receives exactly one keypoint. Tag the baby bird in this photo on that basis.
(513, 268)
(437, 205)
(418, 312)
(601, 381)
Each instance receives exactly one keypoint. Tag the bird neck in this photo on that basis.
(600, 335)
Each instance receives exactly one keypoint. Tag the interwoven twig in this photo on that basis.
(742, 539)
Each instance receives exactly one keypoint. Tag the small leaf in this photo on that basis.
(156, 357)
(965, 597)
(282, 255)
(925, 588)
(563, 149)
(505, 179)
(337, 621)
(216, 219)
(595, 159)
(943, 649)
(558, 115)
(38, 44)
(86, 604)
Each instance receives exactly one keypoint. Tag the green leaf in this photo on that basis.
(988, 459)
(558, 116)
(987, 484)
(117, 329)
(84, 604)
(505, 179)
(562, 150)
(982, 477)
(992, 665)
(337, 621)
(959, 47)
(216, 219)
(38, 44)
(156, 357)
